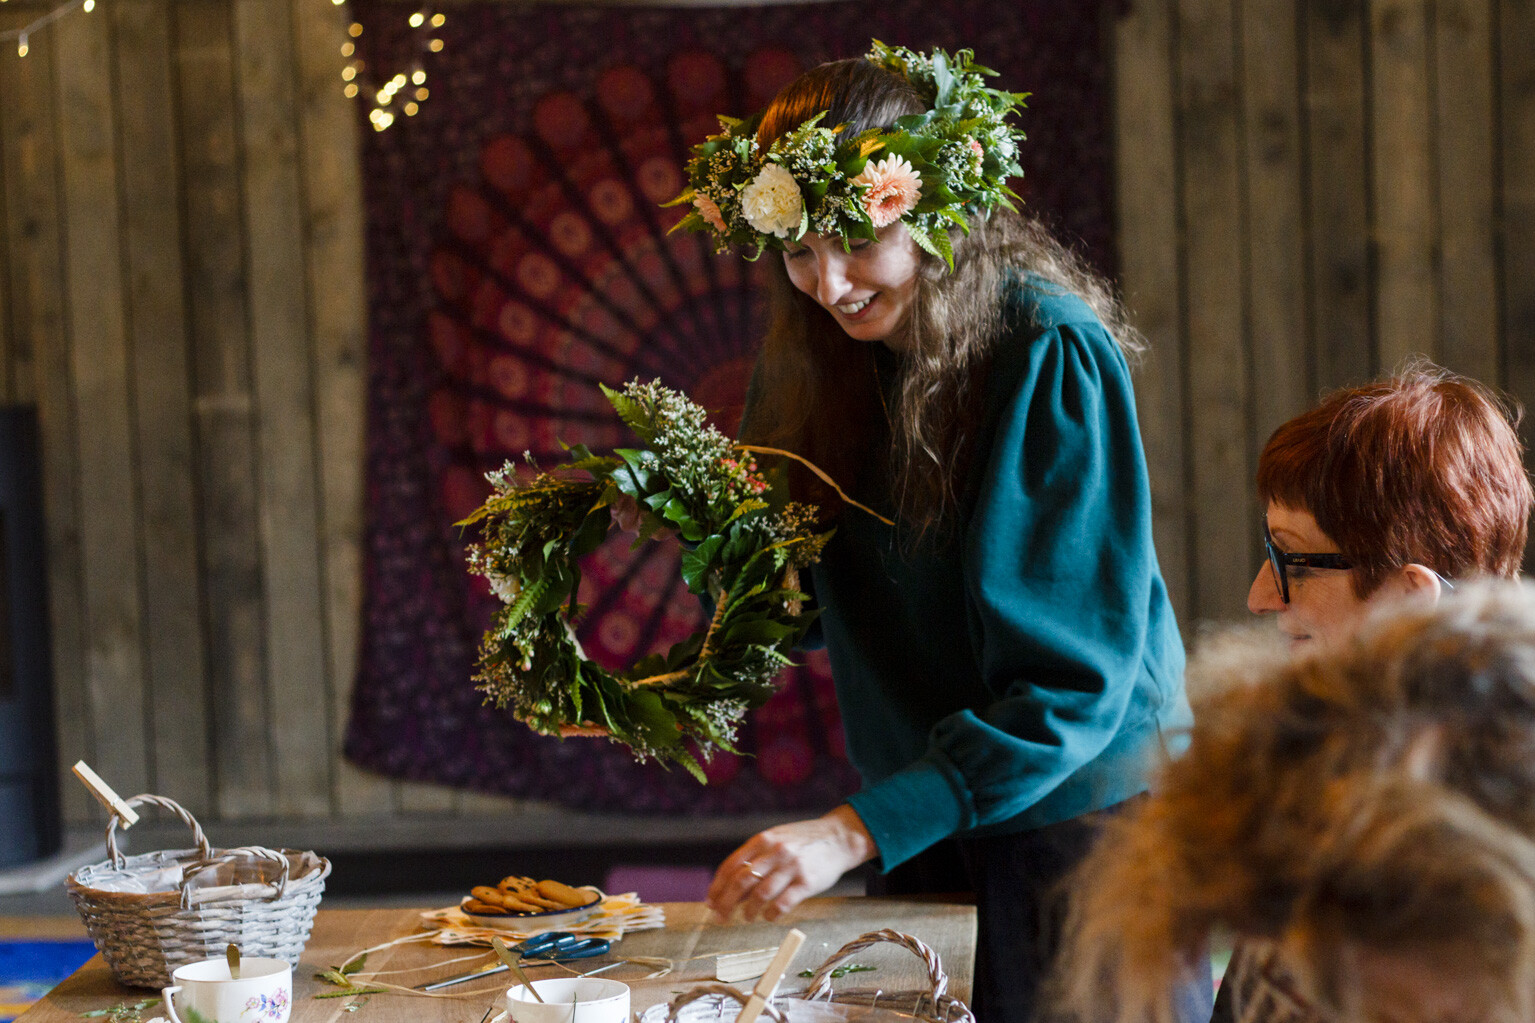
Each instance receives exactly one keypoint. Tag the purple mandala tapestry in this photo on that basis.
(517, 257)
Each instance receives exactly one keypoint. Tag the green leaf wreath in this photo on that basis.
(745, 547)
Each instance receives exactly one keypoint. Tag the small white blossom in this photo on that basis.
(504, 586)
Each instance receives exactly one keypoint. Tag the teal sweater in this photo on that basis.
(1030, 670)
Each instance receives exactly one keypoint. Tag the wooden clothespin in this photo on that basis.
(103, 792)
(769, 981)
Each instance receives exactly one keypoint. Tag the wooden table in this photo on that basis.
(690, 932)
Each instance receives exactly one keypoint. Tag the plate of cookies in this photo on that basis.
(516, 902)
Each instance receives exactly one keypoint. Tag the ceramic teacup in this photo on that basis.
(204, 992)
(570, 1000)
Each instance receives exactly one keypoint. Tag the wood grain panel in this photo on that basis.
(421, 798)
(337, 315)
(1146, 206)
(151, 182)
(1464, 73)
(8, 333)
(1516, 79)
(1218, 394)
(283, 373)
(1276, 256)
(34, 240)
(1404, 192)
(1337, 228)
(233, 604)
(94, 290)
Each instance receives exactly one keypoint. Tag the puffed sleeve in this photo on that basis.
(1061, 584)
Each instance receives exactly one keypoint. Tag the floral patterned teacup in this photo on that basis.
(204, 992)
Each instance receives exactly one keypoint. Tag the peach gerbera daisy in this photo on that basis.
(893, 189)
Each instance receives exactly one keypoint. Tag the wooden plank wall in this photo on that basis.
(181, 295)
(1307, 193)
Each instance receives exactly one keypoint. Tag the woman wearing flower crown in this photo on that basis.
(1005, 655)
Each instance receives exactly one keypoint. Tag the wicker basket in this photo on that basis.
(150, 914)
(721, 1003)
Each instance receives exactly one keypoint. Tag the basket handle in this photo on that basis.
(204, 850)
(259, 852)
(772, 1011)
(820, 983)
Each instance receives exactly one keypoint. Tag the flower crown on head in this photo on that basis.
(931, 171)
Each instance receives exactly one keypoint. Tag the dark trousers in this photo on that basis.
(1016, 882)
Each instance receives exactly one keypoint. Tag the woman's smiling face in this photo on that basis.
(867, 290)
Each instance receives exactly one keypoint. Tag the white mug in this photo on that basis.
(263, 994)
(570, 1000)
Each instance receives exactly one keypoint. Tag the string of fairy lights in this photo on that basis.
(405, 90)
(22, 37)
(400, 93)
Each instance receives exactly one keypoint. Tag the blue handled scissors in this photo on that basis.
(549, 947)
(557, 946)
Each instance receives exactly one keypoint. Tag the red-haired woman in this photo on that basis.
(1385, 490)
(1381, 492)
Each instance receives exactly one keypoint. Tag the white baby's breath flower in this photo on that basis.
(772, 203)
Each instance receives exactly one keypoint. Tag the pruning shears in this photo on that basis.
(549, 947)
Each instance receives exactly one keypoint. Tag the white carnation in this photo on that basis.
(772, 203)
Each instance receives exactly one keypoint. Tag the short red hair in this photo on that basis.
(1422, 467)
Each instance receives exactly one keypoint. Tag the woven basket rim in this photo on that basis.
(314, 866)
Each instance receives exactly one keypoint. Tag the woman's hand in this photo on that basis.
(777, 869)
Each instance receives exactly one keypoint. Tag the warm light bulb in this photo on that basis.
(384, 96)
(347, 49)
(417, 20)
(435, 46)
(422, 94)
(410, 109)
(350, 90)
(354, 29)
(398, 81)
(348, 73)
(22, 47)
(438, 20)
(338, 3)
(89, 6)
(419, 78)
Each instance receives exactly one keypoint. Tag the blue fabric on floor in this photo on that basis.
(29, 969)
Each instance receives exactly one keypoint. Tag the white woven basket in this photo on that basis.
(721, 1003)
(149, 914)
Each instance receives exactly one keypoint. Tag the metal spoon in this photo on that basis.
(232, 953)
(511, 958)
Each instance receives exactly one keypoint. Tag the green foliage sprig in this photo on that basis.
(745, 545)
(123, 1012)
(341, 977)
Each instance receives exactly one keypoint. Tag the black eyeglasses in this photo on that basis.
(1279, 560)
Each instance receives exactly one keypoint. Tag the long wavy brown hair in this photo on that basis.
(819, 393)
(1376, 802)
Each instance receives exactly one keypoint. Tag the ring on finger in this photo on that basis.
(753, 871)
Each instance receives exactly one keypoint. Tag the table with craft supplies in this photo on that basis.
(666, 960)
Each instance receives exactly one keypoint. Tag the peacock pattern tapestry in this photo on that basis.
(517, 257)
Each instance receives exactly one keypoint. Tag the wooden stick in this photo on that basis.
(769, 980)
(103, 792)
